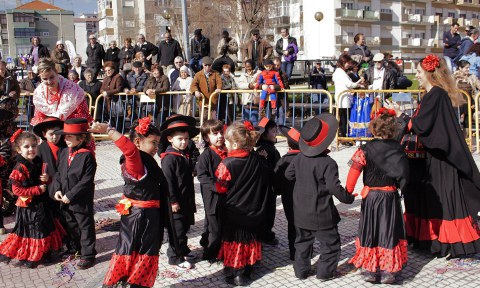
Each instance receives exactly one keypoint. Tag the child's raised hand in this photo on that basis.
(44, 178)
(58, 196)
(65, 200)
(43, 188)
(175, 207)
(98, 127)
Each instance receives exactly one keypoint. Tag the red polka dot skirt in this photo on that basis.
(238, 255)
(134, 269)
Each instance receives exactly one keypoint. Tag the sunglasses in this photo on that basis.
(207, 64)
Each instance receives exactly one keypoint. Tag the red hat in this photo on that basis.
(74, 126)
(292, 134)
(49, 122)
(317, 134)
(179, 122)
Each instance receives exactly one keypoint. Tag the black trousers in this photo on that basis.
(343, 123)
(287, 201)
(81, 229)
(329, 252)
(177, 250)
(214, 236)
(270, 211)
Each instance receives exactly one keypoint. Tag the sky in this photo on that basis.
(85, 6)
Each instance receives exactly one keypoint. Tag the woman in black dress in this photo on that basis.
(442, 200)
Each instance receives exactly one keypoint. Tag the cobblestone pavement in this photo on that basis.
(275, 270)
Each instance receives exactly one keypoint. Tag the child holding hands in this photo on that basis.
(35, 234)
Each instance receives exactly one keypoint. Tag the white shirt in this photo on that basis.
(342, 83)
(285, 45)
(378, 76)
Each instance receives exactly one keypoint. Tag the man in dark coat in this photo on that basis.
(95, 54)
(257, 49)
(112, 54)
(199, 47)
(451, 43)
(149, 50)
(380, 75)
(359, 48)
(168, 49)
(282, 50)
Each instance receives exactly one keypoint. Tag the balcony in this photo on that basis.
(417, 42)
(417, 19)
(345, 40)
(468, 3)
(444, 1)
(279, 21)
(355, 15)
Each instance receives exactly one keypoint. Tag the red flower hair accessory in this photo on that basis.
(248, 125)
(143, 125)
(386, 111)
(15, 135)
(430, 62)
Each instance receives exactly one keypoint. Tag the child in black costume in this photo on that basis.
(266, 149)
(74, 186)
(244, 178)
(316, 182)
(212, 134)
(381, 243)
(135, 260)
(36, 234)
(181, 199)
(285, 187)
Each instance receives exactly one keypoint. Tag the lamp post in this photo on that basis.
(167, 13)
(61, 24)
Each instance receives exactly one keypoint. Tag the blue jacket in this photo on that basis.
(464, 47)
(474, 61)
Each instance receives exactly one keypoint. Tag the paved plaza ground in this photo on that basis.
(275, 270)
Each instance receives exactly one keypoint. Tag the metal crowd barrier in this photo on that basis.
(122, 109)
(382, 94)
(292, 99)
(477, 119)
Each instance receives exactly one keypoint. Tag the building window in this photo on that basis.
(463, 15)
(420, 11)
(451, 14)
(347, 5)
(128, 3)
(45, 34)
(24, 32)
(474, 16)
(387, 11)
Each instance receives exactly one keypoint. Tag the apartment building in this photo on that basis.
(404, 27)
(85, 25)
(36, 18)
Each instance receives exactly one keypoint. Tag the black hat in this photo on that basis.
(47, 122)
(255, 31)
(292, 134)
(317, 134)
(137, 64)
(264, 124)
(74, 126)
(198, 32)
(267, 62)
(179, 122)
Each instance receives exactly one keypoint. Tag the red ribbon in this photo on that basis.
(321, 136)
(15, 135)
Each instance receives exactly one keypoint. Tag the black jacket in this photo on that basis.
(76, 180)
(42, 51)
(168, 51)
(201, 50)
(112, 55)
(126, 56)
(95, 56)
(46, 155)
(389, 78)
(272, 153)
(279, 45)
(179, 177)
(316, 182)
(148, 49)
(281, 185)
(206, 166)
(93, 88)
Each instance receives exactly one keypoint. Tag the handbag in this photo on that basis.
(412, 146)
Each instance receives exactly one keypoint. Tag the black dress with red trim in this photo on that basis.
(135, 260)
(36, 233)
(381, 242)
(443, 201)
(245, 179)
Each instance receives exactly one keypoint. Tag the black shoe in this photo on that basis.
(369, 276)
(240, 280)
(85, 263)
(30, 264)
(301, 276)
(326, 279)
(387, 278)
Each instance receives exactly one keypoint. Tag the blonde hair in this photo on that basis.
(46, 65)
(442, 78)
(239, 134)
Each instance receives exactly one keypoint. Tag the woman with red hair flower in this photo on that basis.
(442, 199)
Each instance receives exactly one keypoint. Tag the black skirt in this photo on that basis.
(437, 215)
(135, 259)
(381, 242)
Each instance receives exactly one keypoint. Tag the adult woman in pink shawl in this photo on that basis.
(58, 97)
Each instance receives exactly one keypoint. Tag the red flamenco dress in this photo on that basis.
(135, 260)
(381, 242)
(442, 199)
(244, 179)
(36, 234)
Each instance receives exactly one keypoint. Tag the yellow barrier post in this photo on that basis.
(477, 119)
